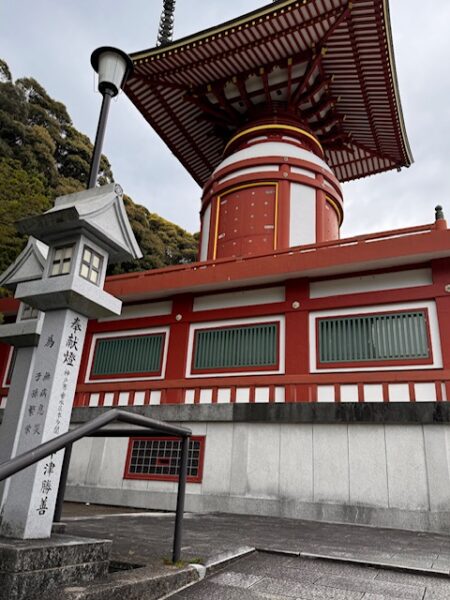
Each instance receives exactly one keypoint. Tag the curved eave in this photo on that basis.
(393, 68)
(164, 75)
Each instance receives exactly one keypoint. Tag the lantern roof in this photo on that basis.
(99, 212)
(29, 265)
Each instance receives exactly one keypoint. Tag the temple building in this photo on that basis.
(314, 371)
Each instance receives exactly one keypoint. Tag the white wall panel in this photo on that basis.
(399, 392)
(206, 228)
(425, 392)
(370, 283)
(406, 466)
(263, 466)
(349, 393)
(245, 298)
(300, 171)
(134, 311)
(265, 149)
(325, 393)
(373, 392)
(223, 396)
(367, 459)
(302, 217)
(249, 170)
(331, 467)
(296, 462)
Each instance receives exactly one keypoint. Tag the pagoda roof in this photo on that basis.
(331, 61)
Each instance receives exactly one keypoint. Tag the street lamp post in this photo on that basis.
(83, 232)
(113, 67)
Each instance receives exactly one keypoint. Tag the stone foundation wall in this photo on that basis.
(394, 475)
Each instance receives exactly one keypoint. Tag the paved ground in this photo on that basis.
(263, 576)
(147, 538)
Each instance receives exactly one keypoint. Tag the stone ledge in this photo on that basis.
(301, 412)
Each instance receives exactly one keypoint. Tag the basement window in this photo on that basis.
(158, 458)
(62, 259)
(399, 338)
(237, 348)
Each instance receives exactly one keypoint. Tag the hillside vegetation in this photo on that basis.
(42, 155)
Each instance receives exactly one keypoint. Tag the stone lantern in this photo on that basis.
(83, 231)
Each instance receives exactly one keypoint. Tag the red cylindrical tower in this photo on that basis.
(272, 190)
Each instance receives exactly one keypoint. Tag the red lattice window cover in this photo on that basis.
(157, 458)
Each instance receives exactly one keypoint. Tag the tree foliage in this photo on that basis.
(42, 156)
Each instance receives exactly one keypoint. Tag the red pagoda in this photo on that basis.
(314, 371)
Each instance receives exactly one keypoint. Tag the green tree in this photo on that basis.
(43, 155)
(23, 194)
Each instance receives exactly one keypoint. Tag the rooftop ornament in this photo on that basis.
(165, 31)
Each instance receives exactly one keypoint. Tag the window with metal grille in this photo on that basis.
(384, 337)
(128, 356)
(236, 348)
(158, 458)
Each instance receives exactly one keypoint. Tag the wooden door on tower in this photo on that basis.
(247, 221)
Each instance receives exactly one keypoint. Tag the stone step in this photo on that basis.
(35, 568)
(143, 583)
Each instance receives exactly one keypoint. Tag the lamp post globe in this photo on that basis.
(113, 67)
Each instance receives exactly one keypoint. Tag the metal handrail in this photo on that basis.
(93, 428)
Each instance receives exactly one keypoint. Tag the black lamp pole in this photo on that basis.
(99, 137)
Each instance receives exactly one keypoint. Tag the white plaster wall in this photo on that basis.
(398, 470)
(302, 224)
(370, 283)
(206, 227)
(134, 311)
(264, 149)
(243, 298)
(249, 170)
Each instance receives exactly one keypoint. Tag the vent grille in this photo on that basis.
(253, 346)
(384, 337)
(128, 355)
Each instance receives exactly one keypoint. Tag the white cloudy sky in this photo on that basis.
(52, 40)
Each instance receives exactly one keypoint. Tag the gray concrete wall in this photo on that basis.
(379, 474)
